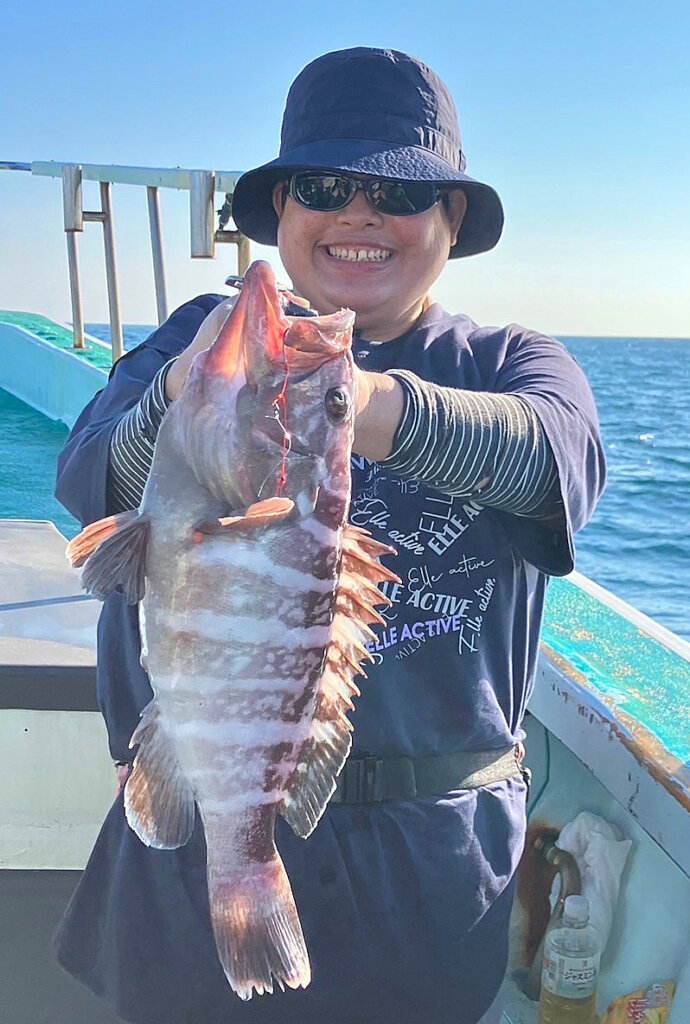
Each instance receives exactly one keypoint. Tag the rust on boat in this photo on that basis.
(534, 880)
(649, 752)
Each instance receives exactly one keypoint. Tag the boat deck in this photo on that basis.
(95, 352)
(49, 717)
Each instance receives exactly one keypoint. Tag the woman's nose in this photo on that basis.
(359, 211)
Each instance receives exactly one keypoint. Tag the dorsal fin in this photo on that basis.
(326, 749)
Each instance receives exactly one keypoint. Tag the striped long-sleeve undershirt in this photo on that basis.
(483, 445)
(487, 446)
(132, 443)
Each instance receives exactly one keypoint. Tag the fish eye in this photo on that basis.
(337, 404)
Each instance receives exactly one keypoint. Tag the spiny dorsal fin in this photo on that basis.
(352, 604)
(360, 563)
(326, 749)
(113, 552)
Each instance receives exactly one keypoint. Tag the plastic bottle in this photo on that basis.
(571, 968)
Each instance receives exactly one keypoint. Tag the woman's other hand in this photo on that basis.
(379, 402)
(203, 339)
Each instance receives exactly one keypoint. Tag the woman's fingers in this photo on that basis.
(203, 339)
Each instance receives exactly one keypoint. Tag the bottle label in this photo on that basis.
(574, 977)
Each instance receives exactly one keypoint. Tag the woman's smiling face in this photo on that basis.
(377, 265)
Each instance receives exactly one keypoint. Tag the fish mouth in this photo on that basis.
(258, 341)
(314, 340)
(251, 339)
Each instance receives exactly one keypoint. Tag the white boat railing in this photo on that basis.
(204, 235)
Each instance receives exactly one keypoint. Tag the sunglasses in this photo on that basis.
(326, 192)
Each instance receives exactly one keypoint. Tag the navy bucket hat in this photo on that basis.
(370, 111)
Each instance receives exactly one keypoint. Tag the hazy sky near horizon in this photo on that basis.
(577, 113)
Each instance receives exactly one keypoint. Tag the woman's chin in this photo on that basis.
(364, 298)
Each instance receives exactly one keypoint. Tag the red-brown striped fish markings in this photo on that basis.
(252, 637)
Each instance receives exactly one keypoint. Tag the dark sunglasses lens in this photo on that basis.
(322, 191)
(400, 199)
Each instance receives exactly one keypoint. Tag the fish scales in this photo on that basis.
(229, 722)
(254, 613)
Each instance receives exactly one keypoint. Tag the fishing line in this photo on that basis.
(269, 476)
(280, 406)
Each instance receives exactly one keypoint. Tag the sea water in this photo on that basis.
(638, 542)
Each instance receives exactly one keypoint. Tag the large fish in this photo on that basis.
(256, 599)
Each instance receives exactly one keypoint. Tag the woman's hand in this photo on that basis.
(379, 403)
(378, 397)
(203, 339)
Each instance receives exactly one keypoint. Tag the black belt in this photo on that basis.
(371, 779)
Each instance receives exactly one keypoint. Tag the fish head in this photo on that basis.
(316, 413)
(267, 410)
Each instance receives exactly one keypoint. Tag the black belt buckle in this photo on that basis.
(362, 780)
(352, 780)
(372, 781)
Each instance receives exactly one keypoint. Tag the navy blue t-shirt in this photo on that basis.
(404, 904)
(456, 661)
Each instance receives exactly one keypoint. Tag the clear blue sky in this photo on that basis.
(578, 113)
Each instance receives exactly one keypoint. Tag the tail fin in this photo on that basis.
(258, 933)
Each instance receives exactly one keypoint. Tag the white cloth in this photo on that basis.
(600, 853)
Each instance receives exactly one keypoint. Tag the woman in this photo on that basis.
(477, 456)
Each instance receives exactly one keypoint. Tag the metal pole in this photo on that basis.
(72, 205)
(244, 255)
(75, 291)
(73, 221)
(111, 273)
(202, 186)
(157, 252)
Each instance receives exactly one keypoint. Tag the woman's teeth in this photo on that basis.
(359, 255)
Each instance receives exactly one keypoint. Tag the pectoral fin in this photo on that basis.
(262, 513)
(113, 553)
